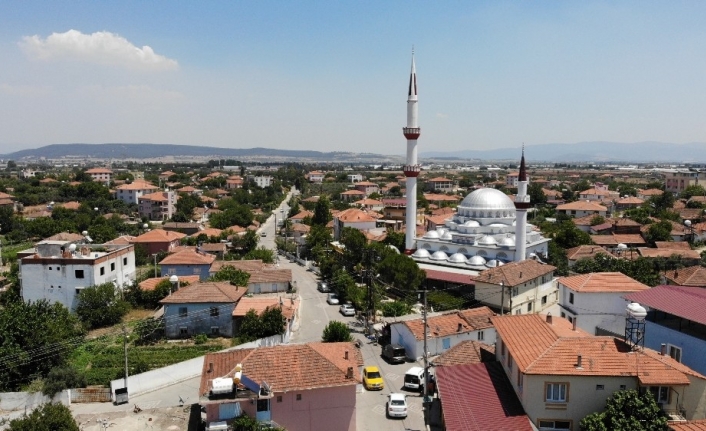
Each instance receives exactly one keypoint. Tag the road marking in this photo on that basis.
(316, 322)
(392, 376)
(379, 409)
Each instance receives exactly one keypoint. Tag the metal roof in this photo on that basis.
(687, 302)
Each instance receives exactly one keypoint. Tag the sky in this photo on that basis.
(332, 76)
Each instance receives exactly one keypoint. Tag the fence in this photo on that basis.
(90, 395)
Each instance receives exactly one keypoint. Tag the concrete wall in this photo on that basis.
(182, 270)
(595, 309)
(198, 319)
(14, 401)
(693, 349)
(414, 349)
(159, 378)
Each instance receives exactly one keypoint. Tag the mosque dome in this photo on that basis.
(447, 236)
(507, 242)
(476, 260)
(471, 223)
(487, 240)
(457, 258)
(487, 199)
(421, 253)
(494, 263)
(439, 255)
(432, 234)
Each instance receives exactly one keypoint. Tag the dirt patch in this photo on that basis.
(171, 419)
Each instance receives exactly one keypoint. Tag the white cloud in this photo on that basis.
(24, 90)
(102, 47)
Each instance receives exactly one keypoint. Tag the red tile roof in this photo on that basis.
(448, 323)
(698, 425)
(159, 235)
(665, 252)
(687, 302)
(479, 397)
(672, 245)
(690, 276)
(151, 283)
(450, 277)
(584, 251)
(188, 257)
(354, 215)
(601, 282)
(581, 206)
(206, 292)
(464, 353)
(515, 273)
(261, 303)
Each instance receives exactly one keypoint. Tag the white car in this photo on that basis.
(347, 310)
(332, 299)
(397, 405)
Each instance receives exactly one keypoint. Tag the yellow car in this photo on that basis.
(372, 379)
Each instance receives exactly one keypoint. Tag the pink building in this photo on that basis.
(299, 386)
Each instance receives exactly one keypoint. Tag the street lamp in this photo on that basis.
(175, 283)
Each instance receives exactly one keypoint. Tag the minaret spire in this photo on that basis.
(523, 170)
(522, 203)
(411, 168)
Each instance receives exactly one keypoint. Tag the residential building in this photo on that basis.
(523, 287)
(597, 195)
(582, 209)
(689, 276)
(583, 252)
(58, 270)
(561, 374)
(354, 218)
(188, 228)
(157, 205)
(261, 181)
(648, 193)
(101, 175)
(260, 304)
(675, 322)
(234, 182)
(465, 353)
(159, 240)
(131, 193)
(201, 308)
(677, 182)
(596, 301)
(300, 387)
(440, 184)
(300, 216)
(264, 278)
(628, 202)
(369, 204)
(352, 195)
(511, 180)
(164, 176)
(355, 178)
(366, 187)
(187, 262)
(316, 176)
(445, 330)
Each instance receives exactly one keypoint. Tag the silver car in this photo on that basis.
(347, 310)
(397, 406)
(332, 299)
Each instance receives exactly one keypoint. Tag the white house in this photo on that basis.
(101, 175)
(352, 217)
(58, 270)
(445, 330)
(596, 301)
(131, 193)
(523, 287)
(582, 209)
(262, 181)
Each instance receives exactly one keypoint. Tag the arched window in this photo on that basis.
(482, 253)
(426, 246)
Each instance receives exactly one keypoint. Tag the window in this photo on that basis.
(556, 392)
(518, 311)
(299, 397)
(215, 330)
(125, 261)
(112, 266)
(279, 398)
(675, 353)
(600, 387)
(102, 270)
(571, 298)
(563, 314)
(544, 300)
(197, 271)
(509, 362)
(183, 331)
(214, 311)
(78, 290)
(529, 307)
(623, 387)
(78, 273)
(446, 342)
(554, 425)
(514, 291)
(502, 348)
(520, 380)
(660, 393)
(480, 336)
(183, 312)
(171, 271)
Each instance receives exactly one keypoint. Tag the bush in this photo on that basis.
(200, 339)
(61, 378)
(336, 332)
(395, 308)
(99, 306)
(48, 417)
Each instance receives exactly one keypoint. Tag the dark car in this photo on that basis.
(323, 287)
(394, 354)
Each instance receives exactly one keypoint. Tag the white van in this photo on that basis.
(414, 379)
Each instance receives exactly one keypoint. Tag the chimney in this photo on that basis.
(578, 361)
(210, 367)
(549, 318)
(574, 324)
(349, 373)
(663, 349)
(345, 355)
(460, 327)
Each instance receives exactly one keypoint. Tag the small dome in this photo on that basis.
(471, 223)
(441, 231)
(476, 260)
(497, 225)
(421, 253)
(493, 263)
(451, 225)
(457, 258)
(431, 235)
(507, 242)
(439, 255)
(447, 236)
(487, 240)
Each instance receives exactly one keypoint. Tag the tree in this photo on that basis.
(185, 206)
(401, 271)
(569, 236)
(396, 239)
(272, 321)
(100, 306)
(661, 231)
(536, 194)
(597, 219)
(322, 212)
(627, 411)
(262, 253)
(47, 417)
(336, 332)
(235, 276)
(395, 308)
(250, 327)
(63, 377)
(693, 190)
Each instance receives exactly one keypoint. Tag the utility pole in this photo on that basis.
(502, 298)
(426, 354)
(125, 350)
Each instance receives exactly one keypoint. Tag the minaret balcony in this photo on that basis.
(411, 132)
(411, 170)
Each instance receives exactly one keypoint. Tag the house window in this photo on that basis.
(675, 353)
(480, 335)
(299, 397)
(214, 311)
(556, 392)
(125, 261)
(563, 314)
(509, 362)
(529, 307)
(171, 271)
(571, 298)
(78, 290)
(102, 270)
(183, 312)
(197, 271)
(215, 330)
(502, 348)
(112, 266)
(544, 300)
(623, 387)
(183, 330)
(600, 387)
(514, 291)
(518, 311)
(660, 393)
(279, 398)
(78, 273)
(263, 405)
(554, 425)
(520, 380)
(446, 342)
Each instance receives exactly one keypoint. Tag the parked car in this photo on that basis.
(322, 286)
(347, 310)
(414, 379)
(394, 354)
(397, 405)
(372, 379)
(263, 234)
(332, 299)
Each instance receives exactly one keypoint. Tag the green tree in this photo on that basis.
(597, 219)
(354, 242)
(100, 306)
(661, 231)
(322, 212)
(569, 236)
(63, 377)
(396, 239)
(401, 271)
(627, 411)
(395, 308)
(693, 190)
(47, 417)
(558, 258)
(229, 273)
(272, 321)
(536, 194)
(336, 332)
(185, 206)
(262, 253)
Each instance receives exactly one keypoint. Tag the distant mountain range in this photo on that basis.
(596, 152)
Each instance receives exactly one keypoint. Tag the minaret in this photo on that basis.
(411, 169)
(522, 202)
